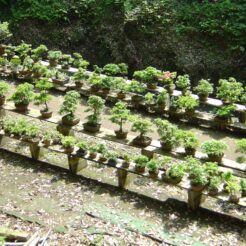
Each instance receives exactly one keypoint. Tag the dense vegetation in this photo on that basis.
(204, 38)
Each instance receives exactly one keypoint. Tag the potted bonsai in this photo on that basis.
(174, 110)
(120, 115)
(152, 167)
(54, 57)
(82, 148)
(233, 188)
(39, 70)
(105, 84)
(161, 100)
(43, 97)
(32, 134)
(79, 77)
(27, 67)
(126, 161)
(174, 174)
(137, 88)
(97, 70)
(214, 149)
(111, 69)
(142, 126)
(68, 143)
(15, 64)
(39, 53)
(79, 62)
(66, 61)
(22, 50)
(121, 85)
(22, 96)
(212, 169)
(167, 80)
(5, 34)
(190, 141)
(149, 76)
(199, 181)
(183, 83)
(243, 187)
(164, 163)
(140, 163)
(223, 116)
(93, 151)
(229, 91)
(214, 184)
(4, 87)
(168, 134)
(112, 158)
(94, 82)
(48, 138)
(103, 151)
(204, 89)
(188, 103)
(59, 78)
(241, 148)
(69, 107)
(95, 106)
(242, 115)
(150, 103)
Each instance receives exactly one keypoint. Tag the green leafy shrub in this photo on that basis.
(214, 147)
(4, 87)
(149, 75)
(68, 141)
(176, 171)
(187, 102)
(204, 87)
(183, 82)
(5, 33)
(141, 160)
(140, 125)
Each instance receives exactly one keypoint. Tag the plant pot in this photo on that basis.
(45, 114)
(136, 99)
(189, 112)
(112, 162)
(94, 89)
(59, 81)
(2, 50)
(161, 107)
(142, 141)
(53, 63)
(91, 127)
(46, 142)
(215, 158)
(243, 193)
(121, 95)
(102, 158)
(68, 150)
(203, 97)
(139, 169)
(105, 91)
(121, 134)
(81, 152)
(152, 85)
(197, 187)
(25, 73)
(166, 146)
(125, 164)
(2, 100)
(171, 180)
(170, 88)
(78, 84)
(68, 122)
(213, 192)
(234, 198)
(21, 107)
(93, 155)
(221, 122)
(153, 174)
(190, 151)
(242, 116)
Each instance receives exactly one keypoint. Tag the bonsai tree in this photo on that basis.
(223, 116)
(5, 34)
(241, 148)
(199, 180)
(95, 106)
(112, 158)
(204, 89)
(152, 167)
(69, 107)
(112, 69)
(58, 77)
(140, 163)
(105, 84)
(79, 77)
(214, 149)
(23, 49)
(183, 83)
(103, 150)
(4, 87)
(94, 82)
(123, 69)
(39, 70)
(214, 184)
(120, 115)
(149, 100)
(43, 97)
(39, 52)
(79, 61)
(212, 169)
(68, 143)
(189, 140)
(243, 187)
(97, 69)
(54, 57)
(121, 85)
(66, 61)
(142, 126)
(162, 99)
(167, 78)
(149, 76)
(15, 63)
(82, 148)
(229, 91)
(22, 96)
(188, 103)
(138, 88)
(167, 133)
(126, 160)
(174, 174)
(27, 65)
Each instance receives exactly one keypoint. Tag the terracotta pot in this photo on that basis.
(53, 63)
(189, 112)
(197, 187)
(93, 155)
(121, 95)
(78, 84)
(171, 180)
(221, 122)
(46, 142)
(213, 192)
(2, 50)
(102, 158)
(105, 91)
(203, 97)
(81, 152)
(142, 141)
(68, 150)
(2, 100)
(215, 158)
(234, 198)
(112, 163)
(190, 151)
(21, 107)
(125, 164)
(94, 89)
(152, 85)
(166, 146)
(139, 169)
(45, 114)
(136, 99)
(121, 134)
(161, 107)
(72, 122)
(58, 81)
(91, 128)
(244, 193)
(153, 174)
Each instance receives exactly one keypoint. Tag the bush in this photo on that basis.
(176, 171)
(136, 87)
(167, 78)
(225, 111)
(204, 87)
(4, 87)
(214, 147)
(188, 139)
(68, 141)
(187, 102)
(152, 165)
(141, 160)
(149, 75)
(183, 82)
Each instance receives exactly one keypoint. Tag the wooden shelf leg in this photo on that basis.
(76, 164)
(124, 178)
(35, 150)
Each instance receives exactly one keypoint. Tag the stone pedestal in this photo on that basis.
(35, 150)
(124, 178)
(195, 198)
(76, 164)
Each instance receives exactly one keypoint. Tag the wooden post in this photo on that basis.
(195, 198)
(35, 150)
(124, 178)
(76, 164)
